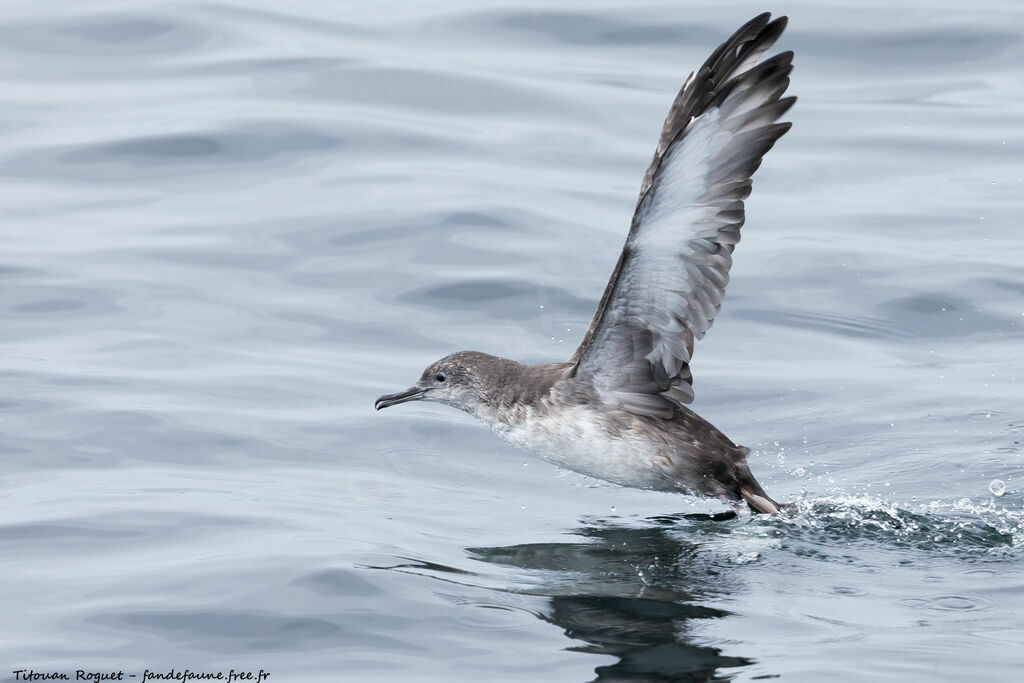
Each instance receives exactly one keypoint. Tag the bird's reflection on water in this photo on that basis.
(647, 635)
(632, 593)
(640, 590)
(637, 593)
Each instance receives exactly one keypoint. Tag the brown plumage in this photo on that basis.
(616, 409)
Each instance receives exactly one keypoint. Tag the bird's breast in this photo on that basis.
(609, 446)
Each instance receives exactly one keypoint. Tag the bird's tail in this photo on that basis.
(745, 487)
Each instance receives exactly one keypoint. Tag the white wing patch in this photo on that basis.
(663, 290)
(671, 278)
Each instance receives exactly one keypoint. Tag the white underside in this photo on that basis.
(577, 440)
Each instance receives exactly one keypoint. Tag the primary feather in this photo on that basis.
(669, 282)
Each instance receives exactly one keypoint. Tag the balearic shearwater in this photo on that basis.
(616, 409)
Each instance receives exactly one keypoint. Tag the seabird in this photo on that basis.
(616, 409)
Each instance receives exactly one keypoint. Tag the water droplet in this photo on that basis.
(746, 558)
(613, 508)
(997, 487)
(799, 471)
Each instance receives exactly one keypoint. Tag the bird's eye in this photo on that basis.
(441, 377)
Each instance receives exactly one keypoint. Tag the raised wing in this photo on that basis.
(670, 279)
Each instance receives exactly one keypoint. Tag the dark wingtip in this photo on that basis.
(761, 19)
(778, 26)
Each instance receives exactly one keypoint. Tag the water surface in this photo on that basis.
(225, 228)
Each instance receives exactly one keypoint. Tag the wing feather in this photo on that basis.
(670, 279)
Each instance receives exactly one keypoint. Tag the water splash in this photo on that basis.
(963, 526)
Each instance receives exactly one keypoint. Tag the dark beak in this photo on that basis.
(413, 394)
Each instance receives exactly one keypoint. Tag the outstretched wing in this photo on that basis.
(670, 279)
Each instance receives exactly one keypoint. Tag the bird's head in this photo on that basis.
(465, 380)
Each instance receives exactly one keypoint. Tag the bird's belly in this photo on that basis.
(580, 441)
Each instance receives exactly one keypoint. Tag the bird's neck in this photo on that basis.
(520, 391)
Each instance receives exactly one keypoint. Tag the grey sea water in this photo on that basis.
(226, 227)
